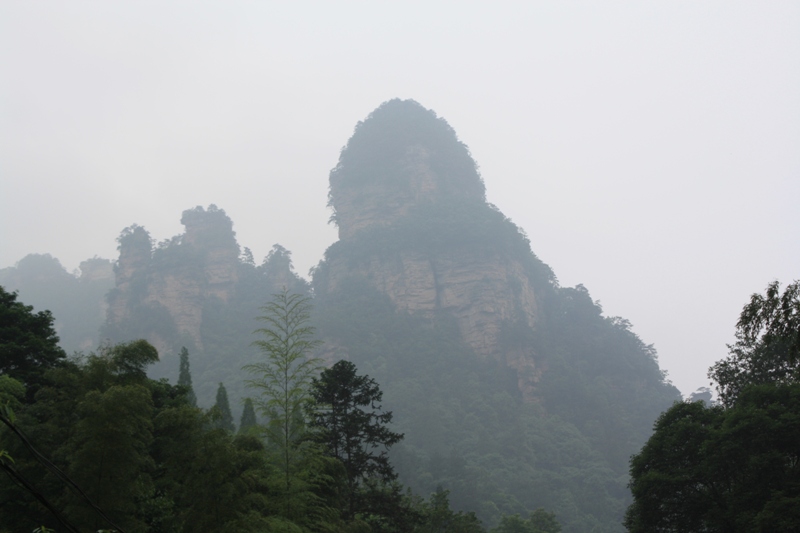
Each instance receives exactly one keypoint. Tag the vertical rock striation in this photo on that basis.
(171, 284)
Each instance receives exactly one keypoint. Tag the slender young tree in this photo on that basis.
(222, 411)
(185, 377)
(283, 379)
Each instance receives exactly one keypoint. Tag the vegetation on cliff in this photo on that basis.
(386, 145)
(102, 446)
(549, 413)
(196, 290)
(514, 393)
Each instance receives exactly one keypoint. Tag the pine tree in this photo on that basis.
(221, 411)
(248, 416)
(185, 377)
(349, 421)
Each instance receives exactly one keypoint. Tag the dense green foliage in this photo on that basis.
(767, 347)
(734, 466)
(467, 427)
(722, 469)
(248, 419)
(135, 446)
(102, 446)
(28, 342)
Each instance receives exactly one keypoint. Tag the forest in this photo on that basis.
(91, 443)
(431, 375)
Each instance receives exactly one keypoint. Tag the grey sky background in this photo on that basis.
(651, 151)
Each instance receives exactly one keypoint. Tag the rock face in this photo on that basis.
(173, 282)
(96, 270)
(403, 179)
(481, 292)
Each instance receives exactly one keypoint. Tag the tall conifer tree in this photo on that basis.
(185, 377)
(248, 416)
(223, 418)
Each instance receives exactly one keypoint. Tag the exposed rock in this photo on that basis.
(178, 277)
(482, 293)
(135, 253)
(96, 269)
(211, 233)
(403, 160)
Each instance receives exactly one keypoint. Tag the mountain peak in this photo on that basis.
(402, 155)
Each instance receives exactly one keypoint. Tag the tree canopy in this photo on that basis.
(734, 466)
(28, 342)
(282, 380)
(767, 347)
(346, 417)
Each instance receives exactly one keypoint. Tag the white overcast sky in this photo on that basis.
(650, 150)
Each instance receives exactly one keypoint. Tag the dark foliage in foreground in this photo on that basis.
(734, 466)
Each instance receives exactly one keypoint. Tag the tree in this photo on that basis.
(185, 377)
(348, 421)
(767, 347)
(721, 469)
(733, 466)
(248, 417)
(283, 379)
(111, 456)
(221, 412)
(437, 517)
(540, 521)
(28, 342)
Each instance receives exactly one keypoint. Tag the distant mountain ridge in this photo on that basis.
(77, 299)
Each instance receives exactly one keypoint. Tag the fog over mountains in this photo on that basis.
(513, 391)
(649, 152)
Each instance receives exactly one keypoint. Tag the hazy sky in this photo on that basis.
(651, 151)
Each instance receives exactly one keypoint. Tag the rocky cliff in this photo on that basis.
(195, 290)
(513, 392)
(174, 281)
(413, 220)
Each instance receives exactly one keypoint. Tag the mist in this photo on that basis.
(650, 152)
